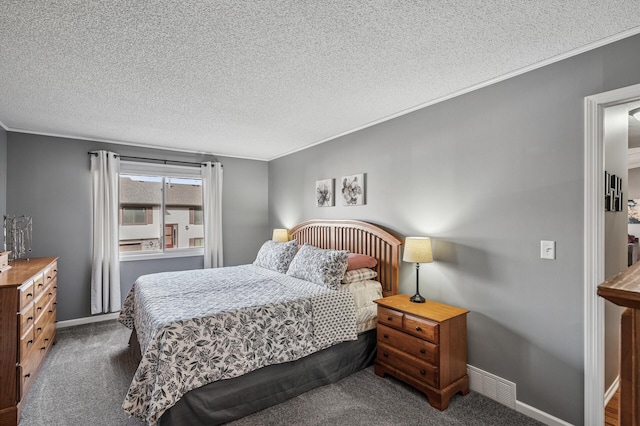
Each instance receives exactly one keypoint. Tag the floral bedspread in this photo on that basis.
(196, 327)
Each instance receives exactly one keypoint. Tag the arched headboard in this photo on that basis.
(357, 237)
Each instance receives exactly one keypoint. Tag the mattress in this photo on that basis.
(364, 293)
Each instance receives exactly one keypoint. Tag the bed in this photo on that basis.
(198, 367)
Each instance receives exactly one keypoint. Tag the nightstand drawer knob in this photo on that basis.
(422, 351)
(384, 354)
(386, 336)
(418, 329)
(389, 318)
(423, 372)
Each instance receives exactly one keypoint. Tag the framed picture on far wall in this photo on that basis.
(324, 193)
(352, 190)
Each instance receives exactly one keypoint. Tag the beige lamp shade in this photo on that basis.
(417, 250)
(280, 235)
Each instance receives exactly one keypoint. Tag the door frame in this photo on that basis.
(594, 246)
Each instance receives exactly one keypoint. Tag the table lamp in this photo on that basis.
(280, 235)
(418, 250)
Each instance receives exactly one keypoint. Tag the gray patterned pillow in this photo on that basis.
(324, 267)
(276, 256)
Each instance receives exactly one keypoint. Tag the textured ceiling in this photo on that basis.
(260, 79)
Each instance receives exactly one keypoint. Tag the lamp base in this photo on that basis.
(416, 298)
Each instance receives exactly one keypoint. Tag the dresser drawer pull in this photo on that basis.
(26, 376)
(55, 286)
(29, 294)
(423, 372)
(418, 328)
(389, 319)
(40, 284)
(46, 340)
(50, 310)
(29, 319)
(49, 277)
(39, 329)
(55, 270)
(422, 351)
(30, 342)
(44, 348)
(39, 308)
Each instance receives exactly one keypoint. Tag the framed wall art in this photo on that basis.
(353, 190)
(324, 193)
(613, 194)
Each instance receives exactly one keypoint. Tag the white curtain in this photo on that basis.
(212, 213)
(105, 269)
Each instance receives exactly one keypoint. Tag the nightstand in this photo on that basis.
(424, 345)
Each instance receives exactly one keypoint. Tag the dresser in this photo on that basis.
(27, 328)
(424, 345)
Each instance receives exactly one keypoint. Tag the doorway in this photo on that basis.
(594, 246)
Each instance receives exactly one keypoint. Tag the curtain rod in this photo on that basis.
(126, 157)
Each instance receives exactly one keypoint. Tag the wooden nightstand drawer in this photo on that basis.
(419, 370)
(422, 328)
(390, 317)
(412, 345)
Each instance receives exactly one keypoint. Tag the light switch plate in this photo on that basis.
(547, 250)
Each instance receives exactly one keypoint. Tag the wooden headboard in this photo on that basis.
(357, 237)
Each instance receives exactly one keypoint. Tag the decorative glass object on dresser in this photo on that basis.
(17, 236)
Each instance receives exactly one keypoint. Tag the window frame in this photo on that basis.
(165, 171)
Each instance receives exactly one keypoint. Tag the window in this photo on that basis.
(195, 215)
(132, 215)
(160, 210)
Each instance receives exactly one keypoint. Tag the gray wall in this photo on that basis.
(634, 183)
(487, 175)
(49, 179)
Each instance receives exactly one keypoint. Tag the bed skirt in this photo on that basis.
(227, 400)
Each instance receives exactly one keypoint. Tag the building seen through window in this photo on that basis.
(160, 213)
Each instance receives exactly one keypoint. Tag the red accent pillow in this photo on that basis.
(357, 261)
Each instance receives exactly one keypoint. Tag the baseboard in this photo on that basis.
(504, 392)
(539, 415)
(611, 391)
(87, 320)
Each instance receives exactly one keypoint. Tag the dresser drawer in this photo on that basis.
(43, 301)
(38, 284)
(389, 317)
(27, 342)
(419, 348)
(50, 273)
(419, 370)
(26, 295)
(421, 327)
(27, 370)
(26, 319)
